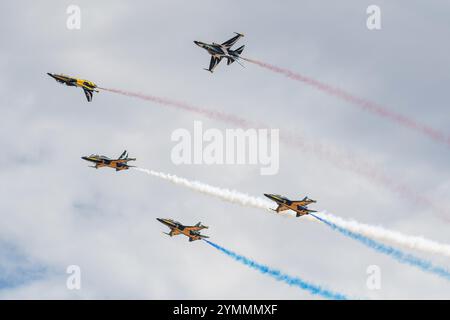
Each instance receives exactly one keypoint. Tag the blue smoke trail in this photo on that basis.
(390, 251)
(278, 275)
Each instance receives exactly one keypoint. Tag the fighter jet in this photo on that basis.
(299, 206)
(220, 51)
(193, 232)
(103, 161)
(87, 86)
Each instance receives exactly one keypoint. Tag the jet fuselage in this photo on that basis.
(192, 232)
(102, 161)
(88, 86)
(216, 50)
(299, 206)
(213, 49)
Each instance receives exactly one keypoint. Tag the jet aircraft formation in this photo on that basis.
(217, 52)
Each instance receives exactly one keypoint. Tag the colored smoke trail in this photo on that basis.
(223, 194)
(377, 232)
(398, 255)
(380, 233)
(211, 114)
(337, 157)
(349, 162)
(363, 104)
(279, 276)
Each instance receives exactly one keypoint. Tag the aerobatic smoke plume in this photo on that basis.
(380, 233)
(377, 232)
(211, 114)
(361, 103)
(223, 194)
(398, 255)
(339, 158)
(279, 276)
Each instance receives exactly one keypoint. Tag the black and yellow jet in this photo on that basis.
(299, 206)
(176, 228)
(103, 161)
(87, 86)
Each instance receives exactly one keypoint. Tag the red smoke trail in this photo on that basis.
(217, 115)
(347, 161)
(337, 157)
(359, 102)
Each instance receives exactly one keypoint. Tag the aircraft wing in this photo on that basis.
(89, 94)
(213, 63)
(173, 232)
(197, 237)
(232, 41)
(301, 211)
(281, 208)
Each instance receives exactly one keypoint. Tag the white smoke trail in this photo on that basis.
(380, 233)
(326, 152)
(224, 194)
(377, 232)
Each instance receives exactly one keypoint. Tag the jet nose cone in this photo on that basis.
(84, 158)
(159, 219)
(266, 194)
(197, 43)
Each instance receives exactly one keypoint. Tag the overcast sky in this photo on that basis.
(56, 211)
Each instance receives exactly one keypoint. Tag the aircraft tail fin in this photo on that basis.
(200, 225)
(235, 55)
(123, 155)
(307, 199)
(239, 50)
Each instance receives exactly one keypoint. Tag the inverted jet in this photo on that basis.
(176, 228)
(220, 51)
(119, 164)
(299, 206)
(87, 86)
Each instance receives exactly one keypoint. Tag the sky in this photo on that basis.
(57, 212)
